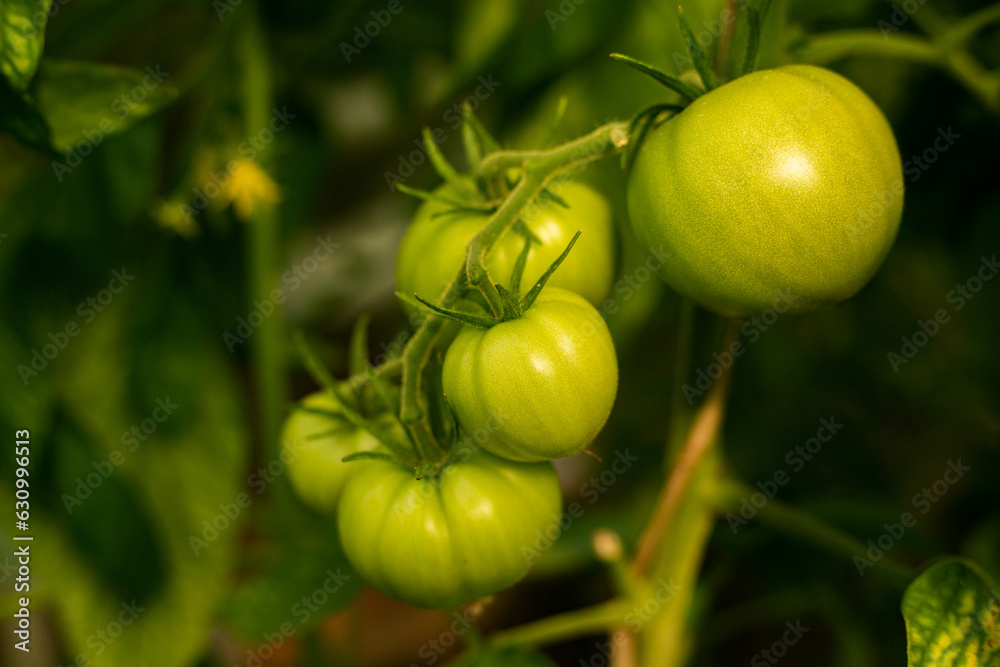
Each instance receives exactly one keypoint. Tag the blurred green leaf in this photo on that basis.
(185, 470)
(306, 579)
(22, 37)
(952, 614)
(21, 119)
(83, 103)
(105, 519)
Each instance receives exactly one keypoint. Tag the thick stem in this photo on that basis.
(538, 168)
(704, 431)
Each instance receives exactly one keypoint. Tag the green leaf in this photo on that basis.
(22, 37)
(83, 103)
(952, 614)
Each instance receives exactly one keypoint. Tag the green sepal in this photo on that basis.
(358, 355)
(325, 379)
(434, 196)
(556, 121)
(511, 305)
(473, 149)
(372, 456)
(755, 19)
(438, 160)
(701, 62)
(519, 264)
(530, 297)
(672, 82)
(477, 321)
(640, 125)
(486, 139)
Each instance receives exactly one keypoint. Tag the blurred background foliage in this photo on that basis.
(94, 179)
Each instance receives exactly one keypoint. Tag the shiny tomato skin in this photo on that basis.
(783, 186)
(538, 387)
(438, 542)
(313, 446)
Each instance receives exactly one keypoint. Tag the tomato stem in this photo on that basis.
(704, 432)
(577, 623)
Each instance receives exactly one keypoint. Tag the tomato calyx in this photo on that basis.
(654, 115)
(510, 307)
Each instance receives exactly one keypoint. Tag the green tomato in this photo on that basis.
(782, 188)
(314, 446)
(438, 542)
(434, 248)
(537, 387)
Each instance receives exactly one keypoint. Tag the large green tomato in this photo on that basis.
(440, 541)
(537, 387)
(435, 247)
(313, 446)
(782, 188)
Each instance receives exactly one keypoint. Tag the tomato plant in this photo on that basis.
(621, 336)
(518, 380)
(451, 537)
(784, 182)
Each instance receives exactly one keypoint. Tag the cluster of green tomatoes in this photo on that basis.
(753, 188)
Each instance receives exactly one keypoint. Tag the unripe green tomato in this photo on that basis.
(314, 446)
(434, 248)
(438, 542)
(783, 186)
(537, 387)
